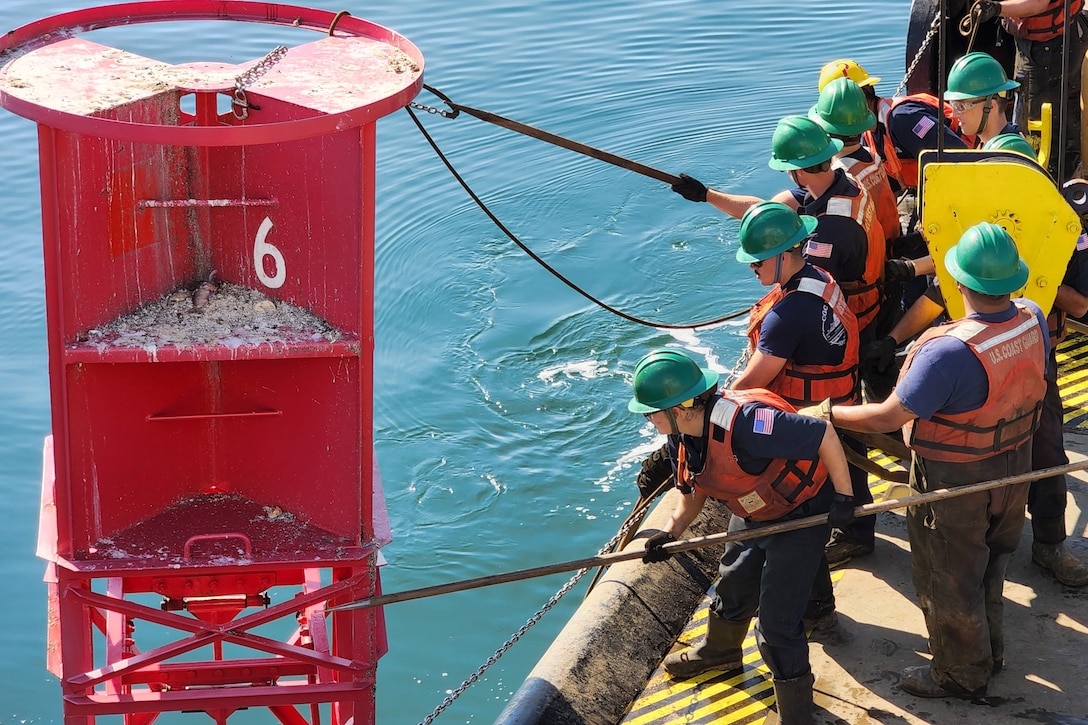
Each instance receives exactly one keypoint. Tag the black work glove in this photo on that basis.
(689, 188)
(879, 354)
(898, 270)
(842, 511)
(654, 551)
(656, 469)
(986, 10)
(911, 245)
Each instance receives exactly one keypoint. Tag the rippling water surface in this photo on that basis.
(500, 418)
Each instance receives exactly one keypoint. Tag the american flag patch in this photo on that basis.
(924, 125)
(764, 422)
(818, 249)
(1082, 242)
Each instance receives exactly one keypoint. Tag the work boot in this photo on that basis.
(656, 469)
(918, 681)
(793, 700)
(842, 546)
(822, 623)
(1055, 557)
(723, 649)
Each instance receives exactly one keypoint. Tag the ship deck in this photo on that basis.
(1046, 629)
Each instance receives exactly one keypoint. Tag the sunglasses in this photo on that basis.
(686, 404)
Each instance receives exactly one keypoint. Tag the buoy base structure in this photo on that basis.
(210, 484)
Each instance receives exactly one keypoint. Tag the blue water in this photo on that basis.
(500, 423)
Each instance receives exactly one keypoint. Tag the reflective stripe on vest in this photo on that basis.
(800, 384)
(863, 295)
(874, 180)
(779, 489)
(1012, 354)
(1047, 25)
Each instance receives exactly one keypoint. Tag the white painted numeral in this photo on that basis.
(262, 249)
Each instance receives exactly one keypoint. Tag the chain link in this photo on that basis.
(240, 105)
(933, 27)
(528, 624)
(432, 109)
(738, 368)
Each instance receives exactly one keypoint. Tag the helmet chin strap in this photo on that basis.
(672, 422)
(985, 116)
(777, 269)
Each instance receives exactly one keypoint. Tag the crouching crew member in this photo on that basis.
(752, 451)
(968, 399)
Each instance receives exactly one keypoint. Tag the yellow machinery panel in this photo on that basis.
(968, 187)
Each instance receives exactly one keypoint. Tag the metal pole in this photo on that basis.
(1063, 101)
(701, 541)
(942, 32)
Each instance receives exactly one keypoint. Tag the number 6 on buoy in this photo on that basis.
(262, 249)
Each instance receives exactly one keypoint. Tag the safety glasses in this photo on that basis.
(965, 106)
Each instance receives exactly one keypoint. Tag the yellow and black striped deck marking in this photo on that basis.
(1073, 380)
(734, 698)
(741, 697)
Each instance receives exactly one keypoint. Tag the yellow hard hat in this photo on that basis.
(846, 68)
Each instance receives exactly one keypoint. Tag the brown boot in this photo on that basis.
(918, 681)
(1048, 551)
(793, 700)
(723, 649)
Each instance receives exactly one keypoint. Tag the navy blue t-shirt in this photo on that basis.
(1076, 274)
(802, 327)
(913, 128)
(946, 377)
(839, 244)
(759, 439)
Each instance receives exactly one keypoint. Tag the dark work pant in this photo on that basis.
(1046, 498)
(1038, 68)
(863, 529)
(960, 549)
(773, 574)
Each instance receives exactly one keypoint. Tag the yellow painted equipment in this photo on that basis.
(1042, 128)
(968, 186)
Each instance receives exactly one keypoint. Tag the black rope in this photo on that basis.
(545, 265)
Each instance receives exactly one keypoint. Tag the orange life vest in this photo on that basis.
(1047, 25)
(1012, 354)
(865, 295)
(904, 169)
(1055, 324)
(778, 490)
(800, 384)
(874, 180)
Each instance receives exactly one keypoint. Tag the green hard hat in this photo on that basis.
(769, 228)
(798, 143)
(664, 378)
(842, 109)
(986, 260)
(1010, 142)
(976, 75)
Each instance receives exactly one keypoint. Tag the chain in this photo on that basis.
(240, 105)
(738, 368)
(933, 27)
(432, 109)
(525, 627)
